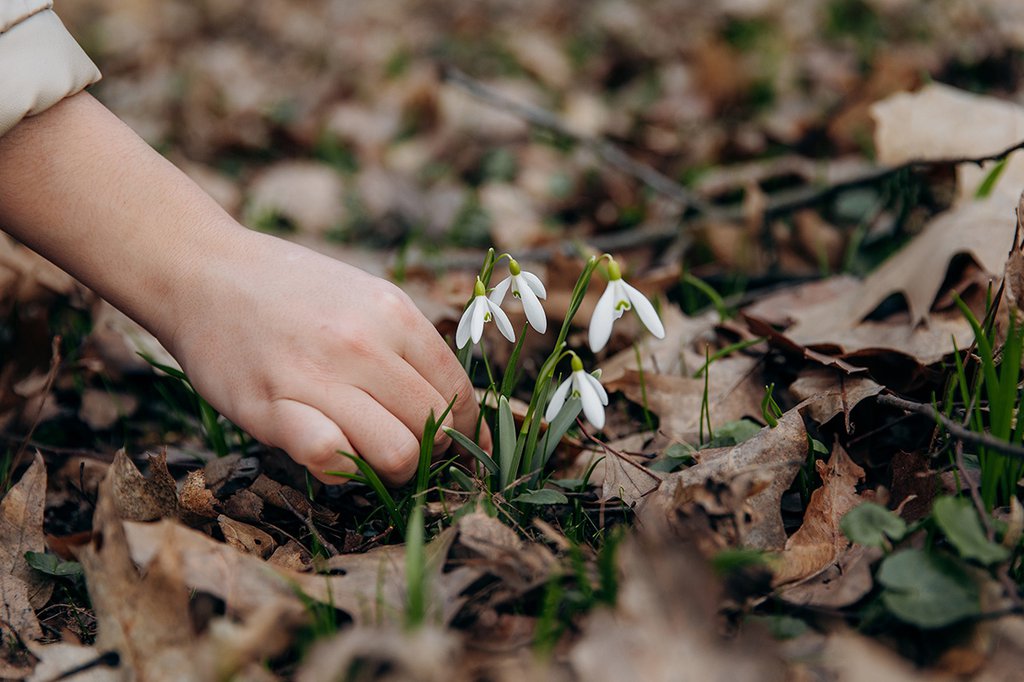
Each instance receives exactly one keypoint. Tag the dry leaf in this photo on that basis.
(60, 657)
(101, 409)
(774, 453)
(621, 477)
(246, 538)
(21, 530)
(661, 628)
(735, 390)
(829, 393)
(843, 583)
(521, 566)
(292, 556)
(371, 585)
(144, 618)
(138, 498)
(195, 498)
(819, 541)
(426, 654)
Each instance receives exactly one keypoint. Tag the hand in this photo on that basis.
(315, 356)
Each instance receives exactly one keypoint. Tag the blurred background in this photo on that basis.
(329, 121)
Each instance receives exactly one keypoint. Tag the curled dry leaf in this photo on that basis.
(138, 498)
(818, 543)
(195, 498)
(774, 453)
(829, 393)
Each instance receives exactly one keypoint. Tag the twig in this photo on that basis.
(953, 428)
(604, 149)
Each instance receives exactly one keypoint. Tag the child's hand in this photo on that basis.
(302, 351)
(315, 356)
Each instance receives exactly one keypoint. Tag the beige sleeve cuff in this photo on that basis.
(40, 64)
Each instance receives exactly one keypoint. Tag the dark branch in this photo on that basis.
(954, 429)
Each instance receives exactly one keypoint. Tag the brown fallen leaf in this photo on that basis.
(830, 393)
(817, 544)
(843, 583)
(735, 390)
(292, 556)
(660, 629)
(370, 587)
(246, 538)
(144, 618)
(138, 498)
(621, 477)
(195, 498)
(101, 409)
(428, 654)
(521, 566)
(669, 355)
(60, 657)
(775, 454)
(21, 530)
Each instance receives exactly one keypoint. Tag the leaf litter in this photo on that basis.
(750, 548)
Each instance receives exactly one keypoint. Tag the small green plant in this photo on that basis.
(216, 428)
(937, 582)
(520, 454)
(992, 401)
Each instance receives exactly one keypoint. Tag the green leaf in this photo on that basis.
(959, 520)
(927, 589)
(542, 496)
(558, 427)
(51, 564)
(733, 433)
(506, 442)
(989, 183)
(474, 449)
(869, 524)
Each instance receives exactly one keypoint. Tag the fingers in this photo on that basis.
(408, 396)
(377, 435)
(430, 356)
(310, 438)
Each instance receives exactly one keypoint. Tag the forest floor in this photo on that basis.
(814, 475)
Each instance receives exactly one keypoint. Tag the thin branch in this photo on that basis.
(611, 154)
(954, 428)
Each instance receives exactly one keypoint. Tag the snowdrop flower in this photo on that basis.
(528, 288)
(585, 387)
(481, 310)
(617, 299)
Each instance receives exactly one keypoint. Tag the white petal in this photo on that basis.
(533, 309)
(558, 399)
(621, 298)
(534, 283)
(462, 333)
(501, 321)
(479, 313)
(644, 308)
(498, 295)
(592, 407)
(598, 388)
(601, 320)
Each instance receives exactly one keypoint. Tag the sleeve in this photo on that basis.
(40, 63)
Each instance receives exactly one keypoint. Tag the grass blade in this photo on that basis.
(474, 449)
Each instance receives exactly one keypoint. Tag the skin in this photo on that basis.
(304, 352)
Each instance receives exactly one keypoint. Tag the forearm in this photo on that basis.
(78, 186)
